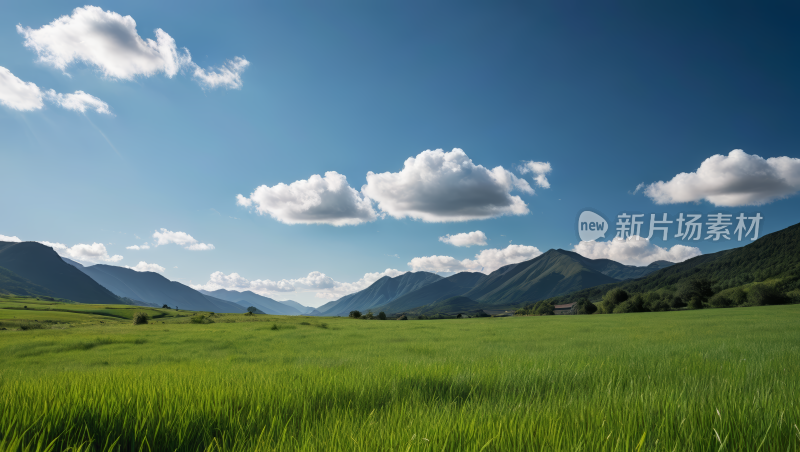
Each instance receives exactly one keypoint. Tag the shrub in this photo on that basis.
(252, 310)
(140, 318)
(304, 323)
(696, 302)
(369, 315)
(611, 299)
(720, 301)
(633, 304)
(322, 325)
(586, 307)
(201, 319)
(660, 305)
(690, 289)
(274, 326)
(544, 308)
(738, 297)
(355, 314)
(762, 295)
(459, 316)
(165, 306)
(403, 317)
(248, 313)
(382, 315)
(677, 302)
(30, 326)
(422, 317)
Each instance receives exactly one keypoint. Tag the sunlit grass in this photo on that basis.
(722, 379)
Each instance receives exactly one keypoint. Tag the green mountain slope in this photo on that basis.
(381, 292)
(42, 266)
(13, 284)
(155, 289)
(444, 288)
(553, 273)
(773, 256)
(450, 306)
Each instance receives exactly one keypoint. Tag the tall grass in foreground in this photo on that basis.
(713, 380)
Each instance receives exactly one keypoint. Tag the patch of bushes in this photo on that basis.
(140, 318)
(382, 315)
(403, 317)
(355, 314)
(202, 319)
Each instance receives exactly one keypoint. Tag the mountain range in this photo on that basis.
(382, 291)
(265, 304)
(29, 268)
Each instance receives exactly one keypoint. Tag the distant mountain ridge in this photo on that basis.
(553, 273)
(35, 265)
(382, 291)
(265, 304)
(153, 288)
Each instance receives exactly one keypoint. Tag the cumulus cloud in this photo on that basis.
(738, 179)
(143, 266)
(486, 261)
(438, 186)
(318, 200)
(322, 284)
(165, 237)
(7, 238)
(465, 239)
(138, 247)
(95, 253)
(26, 96)
(635, 250)
(539, 170)
(17, 94)
(111, 43)
(78, 101)
(229, 75)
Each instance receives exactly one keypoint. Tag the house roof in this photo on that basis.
(564, 306)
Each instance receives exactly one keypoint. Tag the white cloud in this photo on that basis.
(78, 101)
(539, 170)
(437, 186)
(6, 238)
(318, 200)
(637, 189)
(486, 261)
(143, 266)
(138, 247)
(322, 284)
(19, 95)
(94, 253)
(631, 251)
(465, 239)
(229, 75)
(26, 96)
(165, 237)
(111, 43)
(738, 179)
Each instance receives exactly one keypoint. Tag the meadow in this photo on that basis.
(704, 380)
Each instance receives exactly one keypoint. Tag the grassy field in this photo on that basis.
(708, 380)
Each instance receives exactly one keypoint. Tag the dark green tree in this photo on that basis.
(611, 299)
(382, 315)
(355, 314)
(252, 310)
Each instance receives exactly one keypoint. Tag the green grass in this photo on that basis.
(708, 380)
(16, 310)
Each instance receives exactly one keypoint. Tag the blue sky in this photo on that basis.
(610, 96)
